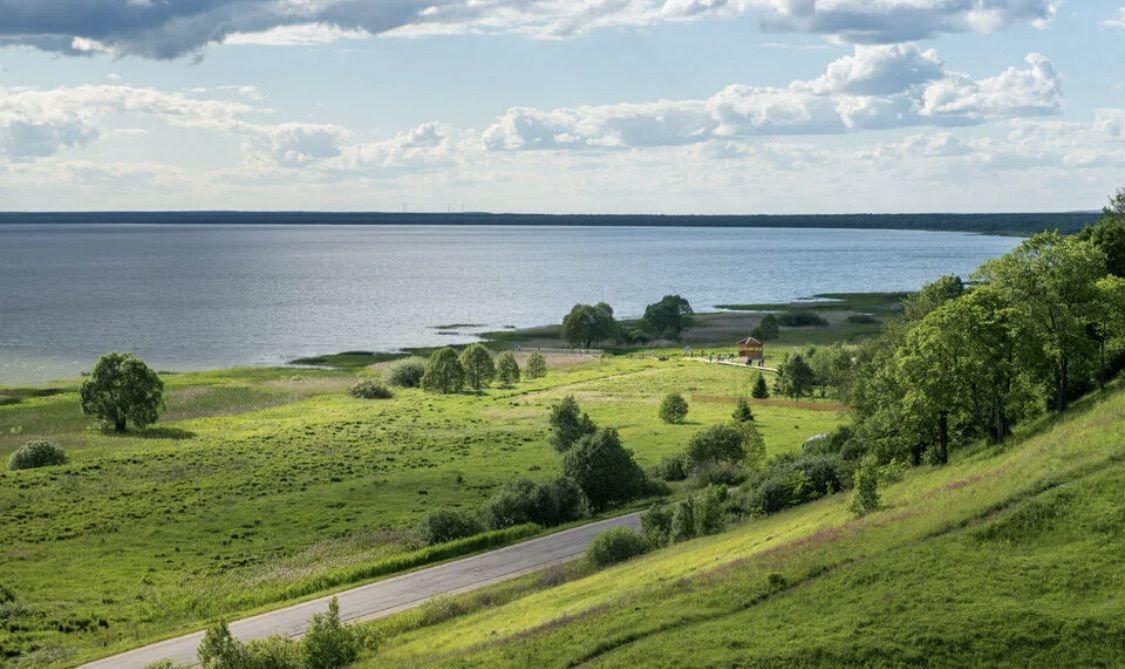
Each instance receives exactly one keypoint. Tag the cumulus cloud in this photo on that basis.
(172, 29)
(1116, 21)
(38, 123)
(875, 87)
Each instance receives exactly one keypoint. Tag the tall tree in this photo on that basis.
(507, 369)
(444, 373)
(478, 366)
(121, 389)
(1050, 281)
(1108, 234)
(568, 424)
(587, 324)
(604, 469)
(670, 316)
(795, 377)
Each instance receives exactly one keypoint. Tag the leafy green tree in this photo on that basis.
(1108, 234)
(507, 369)
(220, 650)
(767, 329)
(586, 325)
(795, 378)
(1108, 328)
(536, 365)
(444, 373)
(754, 445)
(865, 498)
(670, 316)
(761, 390)
(1051, 282)
(742, 412)
(832, 368)
(931, 296)
(604, 469)
(673, 409)
(407, 373)
(683, 521)
(718, 443)
(569, 424)
(478, 366)
(122, 388)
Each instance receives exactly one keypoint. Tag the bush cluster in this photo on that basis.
(697, 515)
(328, 644)
(800, 319)
(791, 480)
(524, 501)
(371, 389)
(445, 525)
(616, 545)
(36, 454)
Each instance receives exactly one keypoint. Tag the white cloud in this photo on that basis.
(1116, 21)
(873, 88)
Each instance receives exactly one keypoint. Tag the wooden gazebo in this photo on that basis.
(751, 349)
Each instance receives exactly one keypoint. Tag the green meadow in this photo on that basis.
(1007, 557)
(259, 487)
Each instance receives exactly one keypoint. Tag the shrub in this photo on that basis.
(569, 424)
(683, 521)
(604, 469)
(672, 468)
(328, 644)
(861, 319)
(536, 365)
(892, 472)
(165, 664)
(616, 545)
(865, 499)
(407, 373)
(444, 373)
(220, 650)
(445, 525)
(507, 369)
(656, 524)
(742, 412)
(275, 652)
(673, 409)
(717, 473)
(370, 389)
(790, 481)
(478, 366)
(523, 501)
(36, 454)
(709, 510)
(512, 505)
(800, 319)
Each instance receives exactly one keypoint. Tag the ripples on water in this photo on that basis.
(187, 297)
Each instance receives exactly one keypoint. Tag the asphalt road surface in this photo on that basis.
(391, 595)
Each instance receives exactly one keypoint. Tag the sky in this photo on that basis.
(562, 106)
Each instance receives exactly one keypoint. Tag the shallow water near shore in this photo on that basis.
(202, 296)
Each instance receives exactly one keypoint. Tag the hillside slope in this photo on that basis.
(1005, 558)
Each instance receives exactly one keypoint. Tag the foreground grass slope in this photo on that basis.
(1003, 558)
(261, 486)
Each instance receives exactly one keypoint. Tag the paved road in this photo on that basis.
(391, 595)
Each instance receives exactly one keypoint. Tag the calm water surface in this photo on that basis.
(189, 297)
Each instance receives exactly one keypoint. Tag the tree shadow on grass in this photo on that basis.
(172, 433)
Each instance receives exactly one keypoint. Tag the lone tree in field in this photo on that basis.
(569, 424)
(670, 316)
(587, 324)
(444, 373)
(536, 366)
(742, 412)
(507, 369)
(730, 443)
(673, 409)
(760, 391)
(477, 363)
(120, 389)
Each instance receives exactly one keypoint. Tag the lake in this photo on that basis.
(201, 296)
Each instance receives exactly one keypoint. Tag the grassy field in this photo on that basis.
(260, 486)
(1008, 557)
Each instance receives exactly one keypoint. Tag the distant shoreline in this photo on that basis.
(996, 224)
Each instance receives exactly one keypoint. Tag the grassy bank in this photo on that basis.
(1005, 558)
(262, 485)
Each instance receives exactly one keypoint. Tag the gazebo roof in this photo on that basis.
(750, 341)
